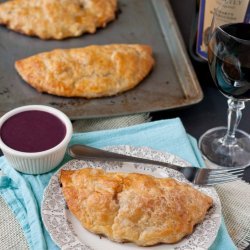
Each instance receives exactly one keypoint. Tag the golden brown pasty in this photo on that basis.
(130, 207)
(88, 72)
(56, 19)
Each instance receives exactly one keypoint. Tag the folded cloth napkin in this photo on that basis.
(23, 193)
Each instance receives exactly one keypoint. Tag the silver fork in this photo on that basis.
(199, 176)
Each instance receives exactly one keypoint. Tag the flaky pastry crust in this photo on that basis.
(89, 72)
(131, 207)
(57, 19)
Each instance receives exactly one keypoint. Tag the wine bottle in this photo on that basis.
(230, 11)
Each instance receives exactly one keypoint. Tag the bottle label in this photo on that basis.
(233, 11)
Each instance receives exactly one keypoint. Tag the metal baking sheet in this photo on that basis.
(171, 84)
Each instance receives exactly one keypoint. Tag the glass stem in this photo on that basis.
(234, 116)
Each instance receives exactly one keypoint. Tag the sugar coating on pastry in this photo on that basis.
(56, 19)
(93, 71)
(132, 207)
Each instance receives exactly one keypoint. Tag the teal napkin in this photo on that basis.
(23, 193)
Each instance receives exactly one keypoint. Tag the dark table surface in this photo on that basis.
(210, 112)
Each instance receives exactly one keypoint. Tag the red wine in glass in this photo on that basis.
(229, 60)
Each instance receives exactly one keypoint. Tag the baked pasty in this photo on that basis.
(89, 72)
(56, 19)
(130, 207)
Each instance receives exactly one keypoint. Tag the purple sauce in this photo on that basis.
(32, 131)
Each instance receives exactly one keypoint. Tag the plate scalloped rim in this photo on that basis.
(61, 227)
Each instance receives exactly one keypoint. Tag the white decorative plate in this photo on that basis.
(67, 232)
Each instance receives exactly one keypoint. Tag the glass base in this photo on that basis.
(214, 150)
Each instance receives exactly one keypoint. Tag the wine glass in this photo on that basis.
(229, 64)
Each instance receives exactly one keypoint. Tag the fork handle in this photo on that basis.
(89, 153)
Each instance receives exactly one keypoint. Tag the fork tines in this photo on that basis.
(217, 176)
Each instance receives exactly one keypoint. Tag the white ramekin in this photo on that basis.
(38, 162)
